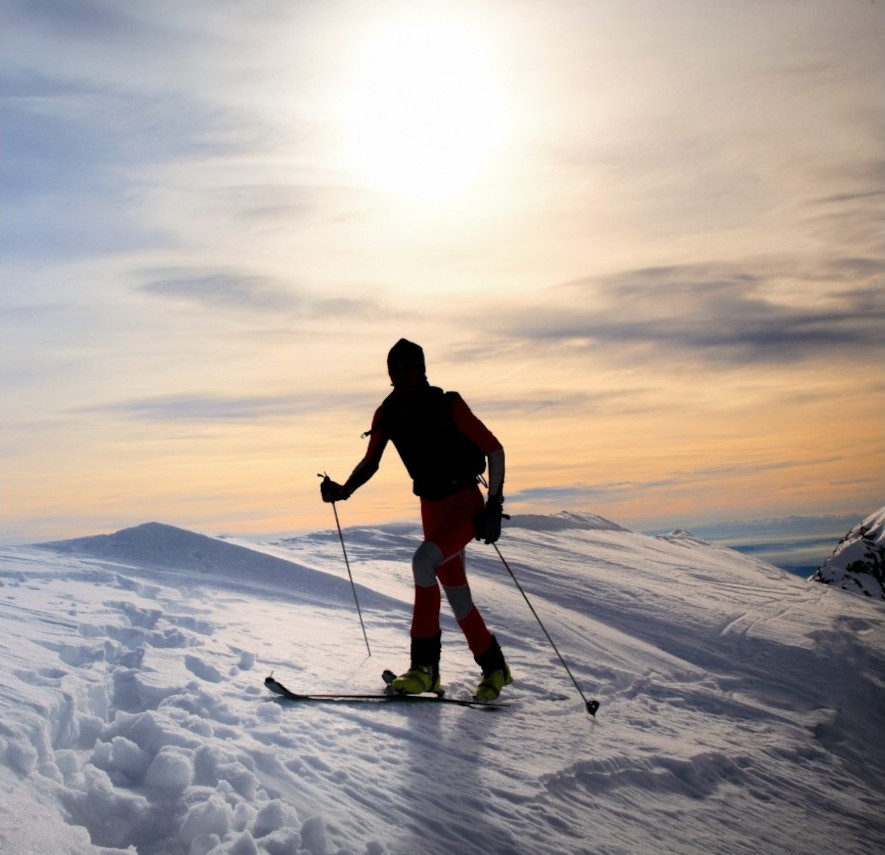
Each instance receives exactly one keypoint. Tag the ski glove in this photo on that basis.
(487, 522)
(332, 491)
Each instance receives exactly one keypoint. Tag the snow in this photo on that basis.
(741, 707)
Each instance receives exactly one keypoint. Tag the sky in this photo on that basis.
(644, 240)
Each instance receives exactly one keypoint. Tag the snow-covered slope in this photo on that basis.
(858, 562)
(742, 708)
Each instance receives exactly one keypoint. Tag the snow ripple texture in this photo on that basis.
(742, 708)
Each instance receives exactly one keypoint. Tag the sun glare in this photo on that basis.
(423, 115)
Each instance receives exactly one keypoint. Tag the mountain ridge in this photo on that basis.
(857, 564)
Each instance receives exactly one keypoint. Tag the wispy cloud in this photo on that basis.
(552, 403)
(347, 307)
(713, 312)
(226, 290)
(81, 145)
(233, 291)
(219, 408)
(581, 493)
(93, 20)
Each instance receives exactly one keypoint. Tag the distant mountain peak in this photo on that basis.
(858, 562)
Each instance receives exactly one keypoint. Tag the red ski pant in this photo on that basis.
(448, 526)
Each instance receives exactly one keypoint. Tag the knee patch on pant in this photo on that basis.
(427, 558)
(460, 599)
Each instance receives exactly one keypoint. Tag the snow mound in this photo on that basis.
(858, 562)
(680, 535)
(157, 547)
(160, 546)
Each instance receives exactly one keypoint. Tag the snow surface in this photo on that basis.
(741, 707)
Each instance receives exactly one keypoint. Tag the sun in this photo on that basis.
(423, 114)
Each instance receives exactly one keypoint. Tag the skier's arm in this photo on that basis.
(368, 466)
(332, 491)
(486, 441)
(486, 523)
(496, 473)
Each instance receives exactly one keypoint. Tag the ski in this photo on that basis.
(278, 688)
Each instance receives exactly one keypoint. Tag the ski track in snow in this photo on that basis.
(742, 708)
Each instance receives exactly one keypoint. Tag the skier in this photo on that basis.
(444, 447)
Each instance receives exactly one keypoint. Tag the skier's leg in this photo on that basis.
(483, 645)
(448, 527)
(425, 616)
(423, 673)
(446, 531)
(452, 534)
(454, 581)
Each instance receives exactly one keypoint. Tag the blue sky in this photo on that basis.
(644, 240)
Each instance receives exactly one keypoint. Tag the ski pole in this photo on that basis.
(350, 575)
(592, 705)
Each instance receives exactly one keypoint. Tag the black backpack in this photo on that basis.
(440, 459)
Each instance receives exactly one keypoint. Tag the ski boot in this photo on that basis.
(423, 673)
(491, 684)
(495, 673)
(416, 681)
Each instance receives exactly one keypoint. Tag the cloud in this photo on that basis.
(841, 198)
(84, 149)
(572, 495)
(77, 158)
(557, 403)
(243, 292)
(341, 307)
(226, 290)
(714, 312)
(84, 19)
(217, 408)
